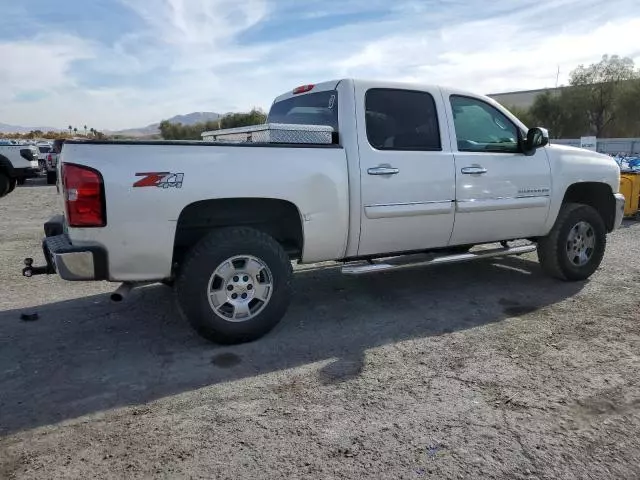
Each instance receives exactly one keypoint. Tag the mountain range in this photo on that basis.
(6, 128)
(153, 129)
(149, 130)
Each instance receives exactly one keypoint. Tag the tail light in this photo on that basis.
(50, 160)
(83, 190)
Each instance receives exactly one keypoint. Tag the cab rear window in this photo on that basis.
(319, 108)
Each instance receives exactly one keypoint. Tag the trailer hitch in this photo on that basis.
(29, 270)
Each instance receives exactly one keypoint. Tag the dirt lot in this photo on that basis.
(486, 370)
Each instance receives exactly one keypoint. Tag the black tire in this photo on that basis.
(12, 185)
(21, 180)
(51, 178)
(5, 184)
(552, 249)
(201, 262)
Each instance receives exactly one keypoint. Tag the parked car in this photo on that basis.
(51, 162)
(17, 163)
(406, 170)
(43, 151)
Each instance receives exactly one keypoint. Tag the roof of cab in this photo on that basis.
(332, 85)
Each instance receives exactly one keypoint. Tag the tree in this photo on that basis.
(523, 114)
(75, 131)
(254, 117)
(597, 89)
(602, 99)
(560, 113)
(178, 131)
(85, 130)
(628, 108)
(70, 128)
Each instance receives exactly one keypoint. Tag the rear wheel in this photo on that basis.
(5, 184)
(51, 178)
(574, 248)
(21, 180)
(235, 285)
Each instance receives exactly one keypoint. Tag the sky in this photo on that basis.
(113, 64)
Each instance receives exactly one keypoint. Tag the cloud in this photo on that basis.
(223, 55)
(39, 63)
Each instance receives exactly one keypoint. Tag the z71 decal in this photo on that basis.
(159, 179)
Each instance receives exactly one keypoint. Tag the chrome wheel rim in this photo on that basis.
(240, 288)
(581, 244)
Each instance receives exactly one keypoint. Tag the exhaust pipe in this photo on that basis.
(122, 292)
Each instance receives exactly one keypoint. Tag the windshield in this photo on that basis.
(44, 149)
(311, 109)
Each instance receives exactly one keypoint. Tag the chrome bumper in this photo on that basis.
(620, 201)
(75, 263)
(71, 262)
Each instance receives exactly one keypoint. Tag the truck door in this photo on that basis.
(406, 170)
(501, 194)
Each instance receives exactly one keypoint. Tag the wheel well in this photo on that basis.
(597, 195)
(278, 218)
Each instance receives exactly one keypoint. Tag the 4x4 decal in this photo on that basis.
(159, 179)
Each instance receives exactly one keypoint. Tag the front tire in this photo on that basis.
(5, 185)
(235, 285)
(574, 248)
(12, 185)
(51, 178)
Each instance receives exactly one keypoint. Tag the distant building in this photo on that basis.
(523, 98)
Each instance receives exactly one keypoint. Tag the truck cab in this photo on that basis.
(445, 167)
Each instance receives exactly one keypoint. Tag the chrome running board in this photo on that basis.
(398, 263)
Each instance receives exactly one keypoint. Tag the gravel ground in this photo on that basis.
(486, 370)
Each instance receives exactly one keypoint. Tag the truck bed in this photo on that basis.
(142, 218)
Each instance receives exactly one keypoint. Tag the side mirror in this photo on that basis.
(536, 138)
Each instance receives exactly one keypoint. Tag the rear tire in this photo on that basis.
(21, 180)
(51, 178)
(574, 248)
(240, 262)
(5, 185)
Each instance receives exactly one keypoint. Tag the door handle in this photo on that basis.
(383, 170)
(473, 170)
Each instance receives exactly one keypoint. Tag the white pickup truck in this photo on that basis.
(17, 163)
(415, 175)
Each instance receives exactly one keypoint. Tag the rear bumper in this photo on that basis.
(71, 262)
(620, 201)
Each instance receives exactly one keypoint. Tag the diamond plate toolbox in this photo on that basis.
(273, 133)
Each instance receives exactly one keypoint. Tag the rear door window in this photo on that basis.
(402, 120)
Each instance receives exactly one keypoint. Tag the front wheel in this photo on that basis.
(235, 285)
(574, 248)
(5, 184)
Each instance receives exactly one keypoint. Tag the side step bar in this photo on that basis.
(398, 263)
